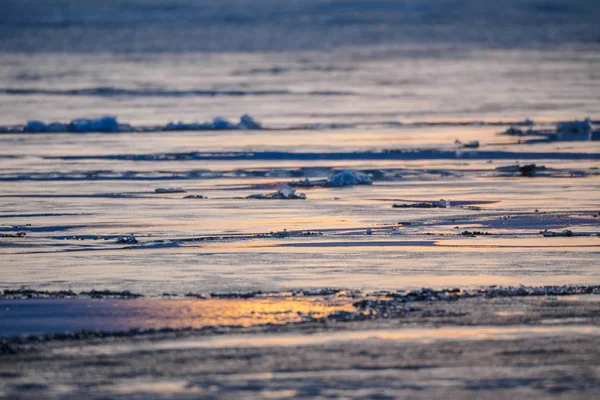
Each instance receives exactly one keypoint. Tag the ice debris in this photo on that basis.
(127, 239)
(13, 235)
(218, 123)
(434, 204)
(81, 125)
(469, 145)
(443, 203)
(575, 130)
(348, 178)
(169, 190)
(524, 170)
(565, 233)
(564, 131)
(285, 193)
(337, 179)
(108, 124)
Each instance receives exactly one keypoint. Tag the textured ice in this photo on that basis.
(348, 178)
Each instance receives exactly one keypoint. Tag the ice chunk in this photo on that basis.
(127, 239)
(347, 178)
(308, 183)
(528, 122)
(102, 124)
(525, 170)
(218, 123)
(285, 193)
(247, 122)
(221, 123)
(565, 233)
(56, 127)
(575, 130)
(35, 127)
(512, 131)
(470, 145)
(110, 124)
(444, 203)
(434, 204)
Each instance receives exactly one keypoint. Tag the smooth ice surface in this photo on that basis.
(35, 316)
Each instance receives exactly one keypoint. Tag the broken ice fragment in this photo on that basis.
(285, 193)
(444, 203)
(35, 127)
(103, 124)
(565, 233)
(221, 123)
(127, 239)
(347, 178)
(470, 145)
(575, 130)
(247, 122)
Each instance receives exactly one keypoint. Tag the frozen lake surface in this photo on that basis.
(184, 182)
(71, 201)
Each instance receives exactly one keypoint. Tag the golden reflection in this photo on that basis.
(231, 312)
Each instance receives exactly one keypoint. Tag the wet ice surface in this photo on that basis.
(69, 200)
(542, 346)
(37, 317)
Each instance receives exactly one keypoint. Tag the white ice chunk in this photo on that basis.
(444, 203)
(286, 191)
